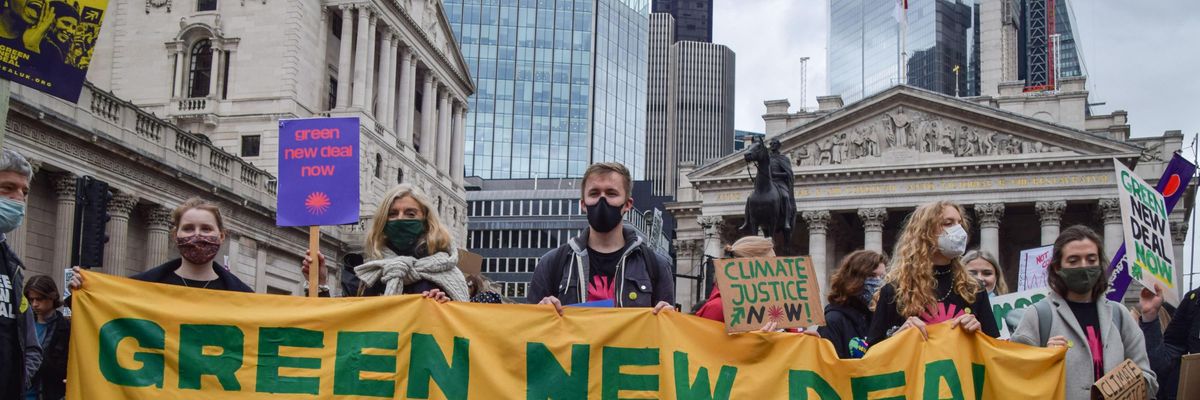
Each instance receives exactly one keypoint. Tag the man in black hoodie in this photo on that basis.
(604, 263)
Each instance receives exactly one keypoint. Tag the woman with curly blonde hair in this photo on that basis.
(927, 282)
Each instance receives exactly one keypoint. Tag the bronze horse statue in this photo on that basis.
(766, 208)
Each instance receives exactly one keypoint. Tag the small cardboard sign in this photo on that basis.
(1148, 244)
(469, 263)
(755, 291)
(1125, 382)
(1035, 264)
(1189, 377)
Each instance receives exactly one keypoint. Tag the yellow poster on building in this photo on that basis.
(136, 340)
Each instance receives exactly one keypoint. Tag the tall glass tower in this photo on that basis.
(864, 47)
(560, 84)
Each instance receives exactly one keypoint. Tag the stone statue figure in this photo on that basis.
(784, 180)
(900, 127)
(872, 143)
(771, 207)
(802, 155)
(839, 149)
(825, 152)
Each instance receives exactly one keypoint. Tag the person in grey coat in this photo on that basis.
(1097, 332)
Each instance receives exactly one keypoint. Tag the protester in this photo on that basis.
(20, 353)
(53, 334)
(983, 266)
(927, 283)
(482, 290)
(198, 230)
(746, 247)
(848, 314)
(607, 261)
(1075, 305)
(1180, 336)
(408, 251)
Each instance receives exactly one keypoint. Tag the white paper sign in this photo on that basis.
(1009, 308)
(1034, 266)
(1148, 248)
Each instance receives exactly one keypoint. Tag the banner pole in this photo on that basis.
(314, 248)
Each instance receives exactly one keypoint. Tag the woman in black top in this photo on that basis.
(850, 291)
(927, 283)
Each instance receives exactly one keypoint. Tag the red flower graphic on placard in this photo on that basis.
(317, 203)
(775, 313)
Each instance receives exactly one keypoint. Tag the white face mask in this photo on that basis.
(953, 241)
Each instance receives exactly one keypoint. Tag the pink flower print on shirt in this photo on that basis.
(601, 288)
(940, 312)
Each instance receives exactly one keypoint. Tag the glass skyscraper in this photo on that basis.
(560, 84)
(864, 46)
(1039, 20)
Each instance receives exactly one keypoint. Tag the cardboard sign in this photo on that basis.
(755, 291)
(1148, 246)
(1173, 185)
(1035, 264)
(318, 172)
(1189, 377)
(1125, 382)
(469, 263)
(51, 44)
(1009, 308)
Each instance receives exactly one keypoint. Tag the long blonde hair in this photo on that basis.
(911, 273)
(436, 238)
(752, 246)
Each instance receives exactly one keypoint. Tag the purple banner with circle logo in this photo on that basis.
(318, 172)
(1172, 185)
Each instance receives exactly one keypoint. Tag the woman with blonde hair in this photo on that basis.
(927, 283)
(408, 251)
(746, 247)
(982, 265)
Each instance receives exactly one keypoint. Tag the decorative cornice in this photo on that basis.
(1110, 211)
(873, 218)
(710, 223)
(1179, 232)
(158, 217)
(1050, 212)
(989, 214)
(818, 221)
(121, 204)
(64, 186)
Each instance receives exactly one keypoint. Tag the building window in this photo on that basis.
(378, 165)
(206, 5)
(332, 97)
(200, 71)
(250, 145)
(399, 175)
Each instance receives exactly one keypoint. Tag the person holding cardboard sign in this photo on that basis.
(1098, 334)
(927, 283)
(408, 251)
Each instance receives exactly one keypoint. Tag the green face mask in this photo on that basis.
(403, 234)
(1080, 280)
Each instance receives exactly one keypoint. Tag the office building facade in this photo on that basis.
(693, 18)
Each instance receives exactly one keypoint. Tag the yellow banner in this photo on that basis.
(136, 340)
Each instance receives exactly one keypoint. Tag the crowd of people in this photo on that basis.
(931, 278)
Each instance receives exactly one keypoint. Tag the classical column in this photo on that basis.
(818, 224)
(369, 97)
(177, 89)
(1050, 212)
(388, 89)
(989, 215)
(443, 131)
(404, 108)
(873, 219)
(1178, 239)
(214, 75)
(343, 89)
(158, 240)
(64, 223)
(1114, 232)
(712, 236)
(456, 143)
(360, 58)
(410, 93)
(119, 207)
(16, 238)
(427, 113)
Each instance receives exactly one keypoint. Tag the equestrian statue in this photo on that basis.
(771, 207)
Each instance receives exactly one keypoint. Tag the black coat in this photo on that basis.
(1166, 348)
(159, 274)
(647, 276)
(843, 323)
(49, 377)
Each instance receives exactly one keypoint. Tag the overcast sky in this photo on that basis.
(1140, 57)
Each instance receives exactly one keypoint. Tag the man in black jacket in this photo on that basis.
(20, 354)
(1181, 337)
(607, 261)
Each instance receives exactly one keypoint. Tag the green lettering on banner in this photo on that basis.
(700, 389)
(269, 360)
(863, 386)
(938, 371)
(800, 382)
(546, 378)
(427, 361)
(978, 373)
(612, 381)
(351, 362)
(193, 364)
(148, 335)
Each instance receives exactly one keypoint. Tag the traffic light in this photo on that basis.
(91, 218)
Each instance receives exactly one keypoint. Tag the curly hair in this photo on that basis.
(911, 272)
(855, 268)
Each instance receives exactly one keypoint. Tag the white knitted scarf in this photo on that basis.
(396, 271)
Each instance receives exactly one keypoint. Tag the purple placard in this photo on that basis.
(1172, 185)
(318, 172)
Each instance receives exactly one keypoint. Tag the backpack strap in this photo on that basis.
(1043, 311)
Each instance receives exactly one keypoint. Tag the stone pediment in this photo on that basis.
(436, 26)
(905, 127)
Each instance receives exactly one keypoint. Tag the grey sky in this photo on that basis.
(1140, 57)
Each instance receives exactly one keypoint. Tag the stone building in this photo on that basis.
(1023, 165)
(185, 99)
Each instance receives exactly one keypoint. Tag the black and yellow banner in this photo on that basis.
(47, 44)
(136, 340)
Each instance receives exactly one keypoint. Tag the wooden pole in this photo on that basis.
(314, 248)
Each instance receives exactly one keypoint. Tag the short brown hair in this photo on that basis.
(605, 168)
(856, 267)
(198, 204)
(1074, 234)
(43, 285)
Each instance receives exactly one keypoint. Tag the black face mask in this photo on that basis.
(603, 217)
